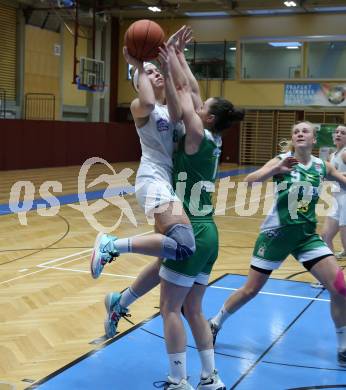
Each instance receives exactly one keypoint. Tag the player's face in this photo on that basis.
(303, 136)
(340, 136)
(154, 75)
(204, 114)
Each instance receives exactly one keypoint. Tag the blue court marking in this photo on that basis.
(274, 342)
(6, 209)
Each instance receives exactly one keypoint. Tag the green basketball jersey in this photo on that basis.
(296, 194)
(194, 176)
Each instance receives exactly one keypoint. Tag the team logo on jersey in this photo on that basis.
(303, 206)
(162, 125)
(318, 167)
(274, 233)
(261, 251)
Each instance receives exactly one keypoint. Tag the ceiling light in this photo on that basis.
(186, 49)
(268, 11)
(330, 9)
(210, 14)
(154, 9)
(284, 44)
(290, 4)
(232, 48)
(292, 47)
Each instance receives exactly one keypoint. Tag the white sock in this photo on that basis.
(341, 335)
(208, 362)
(123, 245)
(177, 362)
(220, 317)
(128, 297)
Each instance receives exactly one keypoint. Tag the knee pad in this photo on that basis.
(339, 283)
(179, 242)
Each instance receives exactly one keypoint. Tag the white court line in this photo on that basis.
(278, 295)
(66, 262)
(23, 276)
(63, 258)
(88, 272)
(44, 267)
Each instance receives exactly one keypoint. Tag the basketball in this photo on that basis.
(143, 39)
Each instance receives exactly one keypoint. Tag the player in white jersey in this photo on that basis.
(336, 220)
(291, 229)
(174, 236)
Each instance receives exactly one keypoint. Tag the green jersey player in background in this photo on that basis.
(290, 228)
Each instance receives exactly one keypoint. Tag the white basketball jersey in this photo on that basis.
(337, 161)
(156, 138)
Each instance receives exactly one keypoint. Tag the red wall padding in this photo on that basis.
(230, 145)
(39, 144)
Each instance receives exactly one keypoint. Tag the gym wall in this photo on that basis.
(245, 92)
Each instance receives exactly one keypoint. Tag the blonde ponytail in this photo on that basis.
(286, 146)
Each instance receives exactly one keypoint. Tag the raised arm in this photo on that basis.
(179, 40)
(172, 99)
(185, 38)
(193, 123)
(273, 167)
(143, 105)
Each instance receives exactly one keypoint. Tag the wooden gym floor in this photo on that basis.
(50, 307)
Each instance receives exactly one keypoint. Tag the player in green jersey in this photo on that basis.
(184, 284)
(290, 228)
(195, 166)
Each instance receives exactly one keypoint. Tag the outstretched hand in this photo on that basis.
(131, 60)
(184, 38)
(180, 38)
(286, 165)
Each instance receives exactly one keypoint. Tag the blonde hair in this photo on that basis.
(286, 145)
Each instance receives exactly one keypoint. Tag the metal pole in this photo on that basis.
(76, 32)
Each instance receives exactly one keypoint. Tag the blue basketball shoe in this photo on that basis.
(104, 252)
(114, 312)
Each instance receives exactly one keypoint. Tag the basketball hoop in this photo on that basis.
(91, 75)
(99, 88)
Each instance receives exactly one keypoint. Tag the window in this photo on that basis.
(271, 60)
(212, 60)
(326, 60)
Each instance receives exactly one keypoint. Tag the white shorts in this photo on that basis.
(151, 193)
(183, 280)
(339, 209)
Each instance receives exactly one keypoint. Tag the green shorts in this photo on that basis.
(300, 240)
(196, 268)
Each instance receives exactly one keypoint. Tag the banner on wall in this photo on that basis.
(330, 95)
